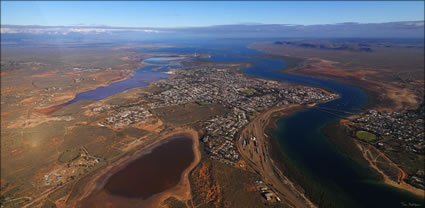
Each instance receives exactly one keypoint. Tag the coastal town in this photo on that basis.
(402, 131)
(260, 104)
(243, 96)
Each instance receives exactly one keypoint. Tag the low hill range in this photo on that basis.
(355, 47)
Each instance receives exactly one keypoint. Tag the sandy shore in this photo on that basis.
(258, 157)
(366, 148)
(99, 178)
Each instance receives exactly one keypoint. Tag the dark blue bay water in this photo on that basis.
(302, 140)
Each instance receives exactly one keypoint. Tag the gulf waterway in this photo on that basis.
(342, 181)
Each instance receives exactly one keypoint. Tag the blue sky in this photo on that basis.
(182, 14)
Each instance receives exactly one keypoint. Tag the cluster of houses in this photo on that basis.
(125, 116)
(399, 131)
(406, 129)
(230, 88)
(221, 133)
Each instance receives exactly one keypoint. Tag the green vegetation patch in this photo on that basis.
(366, 136)
(249, 91)
(203, 103)
(69, 156)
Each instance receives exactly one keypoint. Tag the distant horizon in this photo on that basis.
(177, 14)
(184, 27)
(399, 29)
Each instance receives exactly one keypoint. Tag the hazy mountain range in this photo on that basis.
(408, 29)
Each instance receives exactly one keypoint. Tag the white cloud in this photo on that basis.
(417, 24)
(66, 30)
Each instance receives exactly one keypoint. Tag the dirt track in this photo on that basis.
(366, 149)
(400, 183)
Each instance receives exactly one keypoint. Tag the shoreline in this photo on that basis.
(374, 102)
(378, 92)
(170, 73)
(97, 179)
(53, 108)
(401, 184)
(271, 173)
(365, 147)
